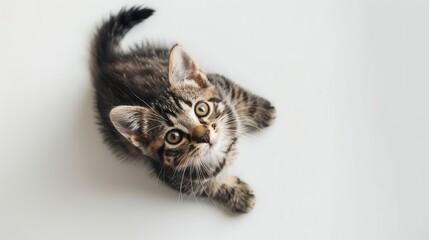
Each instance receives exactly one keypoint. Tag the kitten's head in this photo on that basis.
(190, 127)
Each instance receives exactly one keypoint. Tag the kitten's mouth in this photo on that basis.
(213, 142)
(207, 147)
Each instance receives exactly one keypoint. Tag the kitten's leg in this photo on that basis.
(232, 192)
(255, 112)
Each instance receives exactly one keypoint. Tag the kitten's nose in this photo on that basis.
(200, 134)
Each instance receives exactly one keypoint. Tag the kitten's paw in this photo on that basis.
(243, 200)
(236, 195)
(265, 115)
(270, 115)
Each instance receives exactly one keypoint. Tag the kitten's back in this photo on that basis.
(135, 78)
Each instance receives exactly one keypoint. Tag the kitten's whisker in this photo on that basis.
(246, 134)
(157, 179)
(192, 187)
(148, 130)
(204, 189)
(180, 189)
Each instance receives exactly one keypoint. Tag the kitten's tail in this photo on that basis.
(105, 45)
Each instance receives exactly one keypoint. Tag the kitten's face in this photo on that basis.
(189, 127)
(198, 131)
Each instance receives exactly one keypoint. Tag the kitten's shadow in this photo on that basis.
(95, 168)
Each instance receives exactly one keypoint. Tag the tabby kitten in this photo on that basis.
(155, 104)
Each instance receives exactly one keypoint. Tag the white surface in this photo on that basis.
(346, 159)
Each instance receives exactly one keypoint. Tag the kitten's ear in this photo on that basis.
(183, 70)
(128, 120)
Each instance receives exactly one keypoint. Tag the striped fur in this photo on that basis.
(143, 95)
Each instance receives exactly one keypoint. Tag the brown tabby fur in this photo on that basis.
(152, 91)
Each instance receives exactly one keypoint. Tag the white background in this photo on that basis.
(346, 159)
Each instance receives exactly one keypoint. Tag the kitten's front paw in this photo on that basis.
(236, 195)
(265, 115)
(244, 199)
(270, 115)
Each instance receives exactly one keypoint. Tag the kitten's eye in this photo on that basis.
(202, 109)
(174, 136)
